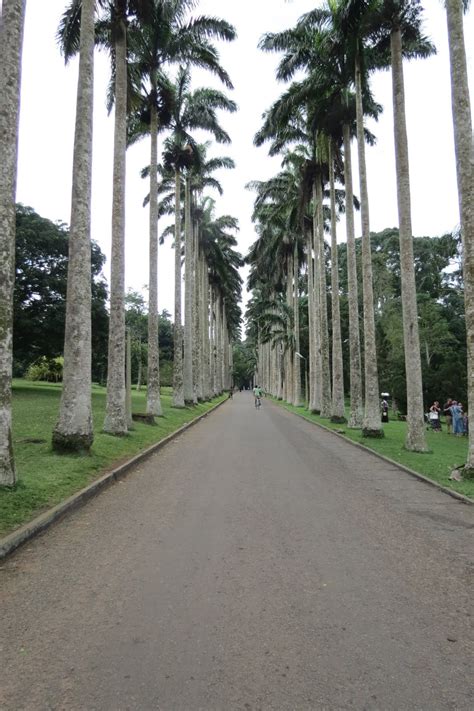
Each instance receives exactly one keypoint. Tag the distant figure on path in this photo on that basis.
(384, 406)
(257, 393)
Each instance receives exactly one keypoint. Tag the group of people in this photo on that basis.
(457, 421)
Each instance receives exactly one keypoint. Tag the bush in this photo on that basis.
(48, 369)
(166, 373)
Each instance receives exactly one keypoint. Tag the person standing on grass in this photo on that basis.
(434, 416)
(447, 414)
(456, 413)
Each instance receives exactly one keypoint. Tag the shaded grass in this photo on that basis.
(446, 451)
(46, 478)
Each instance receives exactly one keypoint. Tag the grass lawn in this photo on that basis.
(46, 478)
(447, 452)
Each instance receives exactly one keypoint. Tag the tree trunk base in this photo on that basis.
(145, 417)
(467, 472)
(115, 434)
(314, 411)
(373, 434)
(67, 443)
(338, 420)
(418, 450)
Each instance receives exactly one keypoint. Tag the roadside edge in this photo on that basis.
(417, 475)
(10, 543)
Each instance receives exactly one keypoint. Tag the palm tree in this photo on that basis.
(277, 253)
(11, 43)
(219, 263)
(74, 430)
(198, 177)
(111, 33)
(351, 18)
(191, 110)
(464, 147)
(311, 46)
(286, 123)
(163, 40)
(401, 20)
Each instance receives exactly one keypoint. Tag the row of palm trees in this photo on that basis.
(144, 39)
(312, 124)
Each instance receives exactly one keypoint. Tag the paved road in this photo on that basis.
(257, 562)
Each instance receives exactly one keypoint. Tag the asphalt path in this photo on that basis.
(256, 562)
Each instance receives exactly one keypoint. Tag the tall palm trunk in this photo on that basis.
(225, 350)
(337, 407)
(318, 369)
(218, 344)
(178, 392)
(280, 389)
(289, 355)
(153, 401)
(415, 437)
(323, 308)
(11, 43)
(464, 147)
(231, 365)
(311, 322)
(74, 431)
(372, 426)
(128, 377)
(205, 330)
(188, 297)
(355, 372)
(297, 401)
(197, 370)
(116, 418)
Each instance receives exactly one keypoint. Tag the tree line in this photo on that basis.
(152, 45)
(440, 302)
(39, 308)
(335, 49)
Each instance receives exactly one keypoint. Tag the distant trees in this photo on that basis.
(40, 293)
(136, 321)
(441, 323)
(40, 307)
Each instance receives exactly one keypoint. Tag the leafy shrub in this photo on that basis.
(48, 369)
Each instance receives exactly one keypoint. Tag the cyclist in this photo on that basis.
(257, 393)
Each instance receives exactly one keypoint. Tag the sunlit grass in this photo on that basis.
(46, 478)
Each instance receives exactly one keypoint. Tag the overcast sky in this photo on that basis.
(47, 129)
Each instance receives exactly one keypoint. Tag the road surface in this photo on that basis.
(256, 562)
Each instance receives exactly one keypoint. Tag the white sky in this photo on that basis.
(47, 128)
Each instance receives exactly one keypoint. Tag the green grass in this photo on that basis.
(447, 452)
(46, 478)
